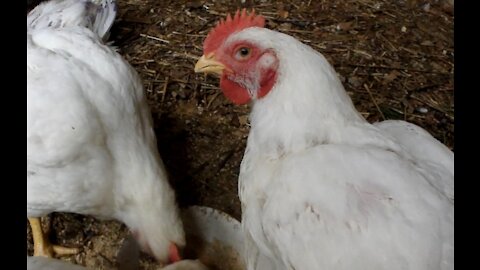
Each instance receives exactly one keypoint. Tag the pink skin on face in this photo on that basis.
(248, 70)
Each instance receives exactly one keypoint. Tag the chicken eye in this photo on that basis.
(243, 53)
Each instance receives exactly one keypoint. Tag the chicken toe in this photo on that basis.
(43, 247)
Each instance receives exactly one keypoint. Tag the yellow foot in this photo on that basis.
(42, 246)
(49, 250)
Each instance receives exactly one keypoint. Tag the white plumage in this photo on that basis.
(186, 265)
(320, 187)
(42, 263)
(91, 148)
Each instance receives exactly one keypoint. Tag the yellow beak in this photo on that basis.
(208, 64)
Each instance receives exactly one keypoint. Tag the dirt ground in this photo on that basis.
(394, 57)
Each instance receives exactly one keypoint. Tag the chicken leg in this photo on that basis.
(41, 245)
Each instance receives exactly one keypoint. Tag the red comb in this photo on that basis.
(229, 26)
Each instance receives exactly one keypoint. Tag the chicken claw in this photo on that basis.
(41, 245)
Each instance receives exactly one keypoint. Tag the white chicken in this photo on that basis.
(186, 265)
(91, 148)
(43, 263)
(320, 187)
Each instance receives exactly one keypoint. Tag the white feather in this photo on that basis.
(321, 188)
(43, 263)
(97, 15)
(91, 148)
